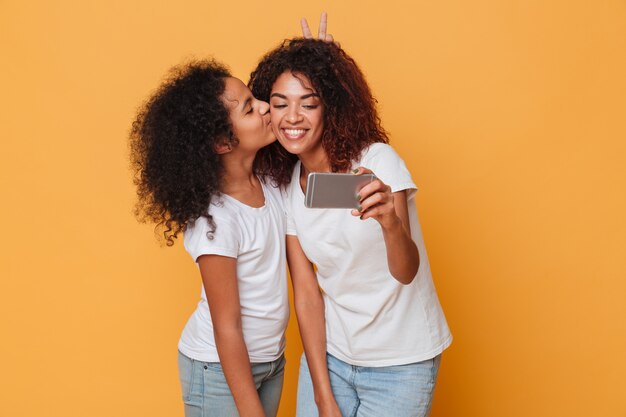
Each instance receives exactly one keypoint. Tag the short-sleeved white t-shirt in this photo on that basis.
(371, 318)
(256, 238)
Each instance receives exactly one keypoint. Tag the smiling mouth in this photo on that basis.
(294, 134)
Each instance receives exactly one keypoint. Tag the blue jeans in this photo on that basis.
(206, 392)
(360, 391)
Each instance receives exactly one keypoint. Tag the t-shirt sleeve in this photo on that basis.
(200, 238)
(387, 165)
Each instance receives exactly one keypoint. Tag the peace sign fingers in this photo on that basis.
(321, 32)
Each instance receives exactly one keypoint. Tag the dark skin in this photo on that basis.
(250, 121)
(377, 201)
(391, 211)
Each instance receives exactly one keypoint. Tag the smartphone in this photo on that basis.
(332, 190)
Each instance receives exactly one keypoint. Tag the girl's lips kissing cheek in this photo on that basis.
(294, 134)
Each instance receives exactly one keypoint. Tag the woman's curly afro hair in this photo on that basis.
(351, 121)
(172, 139)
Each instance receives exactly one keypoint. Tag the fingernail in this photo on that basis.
(354, 171)
(361, 217)
(359, 207)
(358, 197)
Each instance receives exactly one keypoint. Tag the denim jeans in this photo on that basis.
(206, 392)
(398, 391)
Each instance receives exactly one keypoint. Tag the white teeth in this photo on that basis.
(294, 132)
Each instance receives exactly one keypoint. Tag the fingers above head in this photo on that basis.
(306, 31)
(321, 33)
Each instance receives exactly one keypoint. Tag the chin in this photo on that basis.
(291, 149)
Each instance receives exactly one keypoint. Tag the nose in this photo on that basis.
(293, 114)
(263, 107)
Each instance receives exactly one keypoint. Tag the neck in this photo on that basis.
(237, 175)
(314, 162)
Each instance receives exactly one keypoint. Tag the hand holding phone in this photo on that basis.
(377, 201)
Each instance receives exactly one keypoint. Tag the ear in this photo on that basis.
(223, 147)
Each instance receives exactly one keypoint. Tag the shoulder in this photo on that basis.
(387, 165)
(289, 189)
(223, 209)
(220, 236)
(270, 186)
(381, 157)
(378, 151)
(273, 192)
(221, 212)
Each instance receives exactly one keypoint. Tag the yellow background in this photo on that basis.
(511, 116)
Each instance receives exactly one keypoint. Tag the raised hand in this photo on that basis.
(321, 32)
(376, 201)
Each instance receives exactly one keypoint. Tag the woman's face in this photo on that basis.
(297, 114)
(250, 117)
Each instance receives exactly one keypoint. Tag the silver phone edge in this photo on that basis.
(310, 186)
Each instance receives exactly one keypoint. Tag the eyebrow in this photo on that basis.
(304, 97)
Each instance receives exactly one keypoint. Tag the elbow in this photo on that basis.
(405, 280)
(227, 329)
(307, 305)
(409, 274)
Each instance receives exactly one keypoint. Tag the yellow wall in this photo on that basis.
(510, 114)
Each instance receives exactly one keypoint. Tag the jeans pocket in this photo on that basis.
(192, 380)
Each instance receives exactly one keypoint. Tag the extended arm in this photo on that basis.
(219, 276)
(391, 211)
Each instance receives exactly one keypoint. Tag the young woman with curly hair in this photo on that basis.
(193, 146)
(374, 333)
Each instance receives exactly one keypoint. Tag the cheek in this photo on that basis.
(317, 134)
(275, 117)
(317, 120)
(275, 129)
(246, 130)
(319, 126)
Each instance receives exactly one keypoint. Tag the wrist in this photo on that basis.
(391, 224)
(324, 397)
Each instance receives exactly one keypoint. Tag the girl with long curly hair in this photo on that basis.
(193, 146)
(370, 320)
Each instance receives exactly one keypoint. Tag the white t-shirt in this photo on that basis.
(256, 238)
(371, 318)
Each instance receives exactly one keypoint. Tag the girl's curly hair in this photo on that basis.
(351, 121)
(172, 139)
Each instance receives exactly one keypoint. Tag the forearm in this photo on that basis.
(402, 254)
(390, 209)
(235, 362)
(312, 325)
(309, 306)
